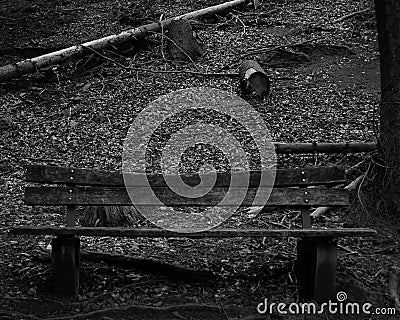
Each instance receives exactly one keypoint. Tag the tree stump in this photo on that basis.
(253, 78)
(181, 44)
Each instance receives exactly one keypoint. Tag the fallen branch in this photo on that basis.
(133, 309)
(199, 73)
(352, 186)
(348, 250)
(266, 50)
(13, 70)
(196, 73)
(350, 15)
(145, 264)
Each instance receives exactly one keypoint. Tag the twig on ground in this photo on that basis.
(364, 176)
(107, 58)
(119, 289)
(128, 308)
(241, 22)
(266, 50)
(72, 9)
(347, 249)
(179, 316)
(350, 15)
(277, 224)
(225, 314)
(162, 37)
(257, 51)
(258, 14)
(356, 166)
(351, 187)
(179, 48)
(198, 73)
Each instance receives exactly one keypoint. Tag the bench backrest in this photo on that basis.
(94, 187)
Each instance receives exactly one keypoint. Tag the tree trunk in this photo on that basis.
(388, 168)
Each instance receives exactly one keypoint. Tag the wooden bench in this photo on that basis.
(316, 249)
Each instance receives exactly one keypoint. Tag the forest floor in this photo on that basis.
(324, 88)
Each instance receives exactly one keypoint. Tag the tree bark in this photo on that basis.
(14, 70)
(388, 169)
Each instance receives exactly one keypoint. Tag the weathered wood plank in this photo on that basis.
(303, 148)
(66, 175)
(118, 196)
(284, 177)
(214, 233)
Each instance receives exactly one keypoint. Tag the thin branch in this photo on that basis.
(107, 58)
(348, 250)
(120, 309)
(179, 48)
(264, 50)
(351, 187)
(350, 15)
(197, 73)
(162, 37)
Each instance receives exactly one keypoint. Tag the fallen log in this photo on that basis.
(14, 70)
(252, 77)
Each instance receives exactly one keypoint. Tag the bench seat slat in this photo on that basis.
(118, 196)
(216, 233)
(284, 177)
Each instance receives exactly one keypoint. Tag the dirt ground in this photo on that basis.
(324, 88)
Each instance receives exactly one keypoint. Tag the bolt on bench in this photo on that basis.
(316, 249)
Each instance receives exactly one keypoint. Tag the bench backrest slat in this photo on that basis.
(284, 177)
(118, 196)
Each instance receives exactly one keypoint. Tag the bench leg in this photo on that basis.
(65, 257)
(316, 269)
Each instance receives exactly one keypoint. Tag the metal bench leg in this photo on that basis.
(316, 269)
(65, 257)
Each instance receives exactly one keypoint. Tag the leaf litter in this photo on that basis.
(80, 116)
